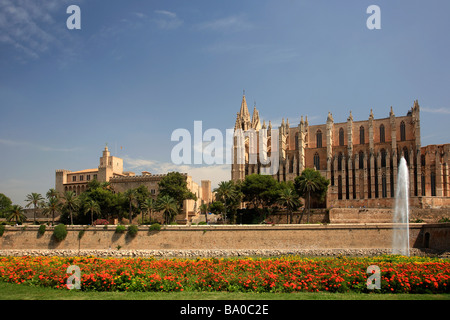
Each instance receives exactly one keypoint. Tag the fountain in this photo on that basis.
(400, 243)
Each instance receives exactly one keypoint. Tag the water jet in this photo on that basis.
(400, 241)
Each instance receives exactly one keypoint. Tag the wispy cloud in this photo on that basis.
(28, 27)
(167, 20)
(233, 23)
(438, 110)
(27, 144)
(214, 173)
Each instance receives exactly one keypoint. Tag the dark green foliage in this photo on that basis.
(42, 228)
(5, 204)
(2, 229)
(154, 227)
(120, 229)
(261, 190)
(174, 185)
(60, 232)
(132, 230)
(217, 207)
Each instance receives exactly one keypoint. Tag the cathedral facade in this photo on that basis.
(359, 157)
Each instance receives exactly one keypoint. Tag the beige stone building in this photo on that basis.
(110, 170)
(359, 157)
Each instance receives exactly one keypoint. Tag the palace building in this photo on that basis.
(110, 170)
(359, 157)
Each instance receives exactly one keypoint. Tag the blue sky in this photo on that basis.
(138, 70)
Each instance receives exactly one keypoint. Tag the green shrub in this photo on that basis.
(60, 232)
(444, 220)
(120, 229)
(41, 230)
(2, 229)
(132, 230)
(154, 227)
(201, 223)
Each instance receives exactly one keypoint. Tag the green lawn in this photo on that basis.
(10, 291)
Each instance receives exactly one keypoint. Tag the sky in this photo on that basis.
(136, 71)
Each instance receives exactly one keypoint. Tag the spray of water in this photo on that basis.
(400, 243)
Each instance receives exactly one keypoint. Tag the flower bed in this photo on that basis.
(284, 274)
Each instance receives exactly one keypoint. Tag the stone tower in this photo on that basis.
(109, 165)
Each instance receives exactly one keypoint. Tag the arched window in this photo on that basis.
(341, 137)
(406, 155)
(317, 161)
(340, 161)
(340, 187)
(383, 158)
(422, 182)
(433, 184)
(382, 135)
(383, 186)
(402, 131)
(319, 139)
(361, 135)
(361, 160)
(296, 141)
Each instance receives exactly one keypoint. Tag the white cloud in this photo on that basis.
(167, 20)
(214, 173)
(234, 23)
(438, 110)
(28, 26)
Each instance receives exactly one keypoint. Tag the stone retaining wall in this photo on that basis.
(229, 237)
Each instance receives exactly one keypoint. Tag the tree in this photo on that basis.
(288, 198)
(311, 184)
(34, 199)
(229, 193)
(168, 206)
(174, 185)
(51, 207)
(131, 196)
(217, 207)
(142, 194)
(261, 190)
(5, 204)
(52, 193)
(92, 207)
(70, 203)
(16, 213)
(148, 206)
(204, 210)
(111, 204)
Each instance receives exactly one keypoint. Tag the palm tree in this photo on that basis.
(52, 193)
(228, 193)
(70, 203)
(51, 207)
(168, 206)
(310, 182)
(204, 209)
(148, 205)
(92, 207)
(34, 199)
(288, 199)
(131, 196)
(16, 213)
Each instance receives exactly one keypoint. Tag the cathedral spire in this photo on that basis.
(245, 114)
(256, 123)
